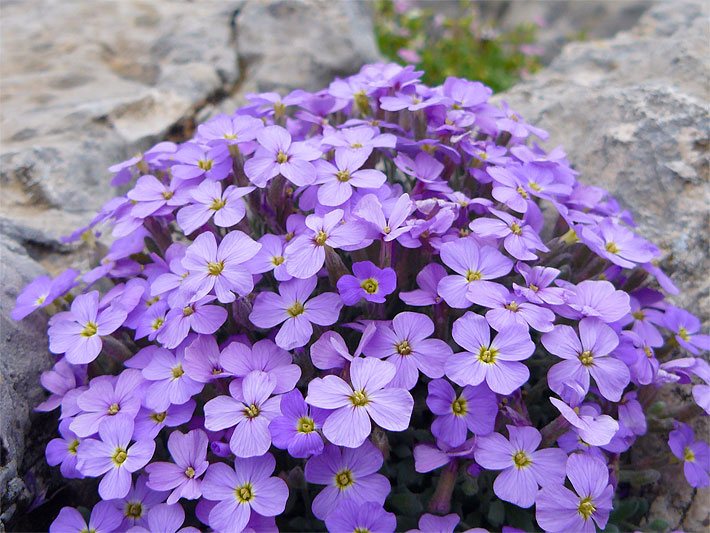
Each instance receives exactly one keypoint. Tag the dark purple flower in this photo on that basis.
(369, 282)
(296, 430)
(695, 455)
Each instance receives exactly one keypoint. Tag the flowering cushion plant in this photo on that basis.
(378, 306)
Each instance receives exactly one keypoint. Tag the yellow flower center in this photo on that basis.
(177, 371)
(473, 275)
(244, 494)
(639, 315)
(356, 145)
(119, 456)
(152, 300)
(370, 285)
(586, 358)
(386, 230)
(215, 269)
(403, 347)
(73, 446)
(40, 300)
(205, 164)
(522, 192)
(281, 158)
(252, 411)
(361, 530)
(157, 324)
(305, 424)
(159, 417)
(344, 479)
(190, 472)
(342, 175)
(113, 409)
(320, 238)
(586, 507)
(521, 459)
(277, 260)
(296, 309)
(533, 287)
(534, 186)
(133, 510)
(512, 306)
(516, 229)
(90, 329)
(612, 248)
(459, 406)
(217, 204)
(683, 334)
(647, 351)
(688, 455)
(187, 310)
(359, 398)
(487, 355)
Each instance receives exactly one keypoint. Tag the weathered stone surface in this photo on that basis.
(633, 117)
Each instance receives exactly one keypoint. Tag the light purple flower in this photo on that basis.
(182, 477)
(429, 523)
(220, 268)
(349, 475)
(61, 379)
(361, 140)
(240, 360)
(226, 208)
(330, 350)
(389, 225)
(250, 408)
(558, 509)
(246, 488)
(537, 288)
(105, 518)
(114, 456)
(42, 292)
(407, 345)
(277, 154)
(507, 309)
(149, 422)
(474, 409)
(336, 181)
(367, 516)
(471, 263)
(616, 243)
(202, 360)
(170, 384)
(153, 197)
(349, 424)
(523, 466)
(166, 519)
(520, 239)
(63, 451)
(596, 430)
(296, 310)
(136, 505)
(428, 457)
(695, 455)
(198, 316)
(369, 282)
(427, 281)
(497, 361)
(270, 258)
(305, 254)
(686, 330)
(296, 430)
(224, 129)
(598, 299)
(77, 333)
(194, 161)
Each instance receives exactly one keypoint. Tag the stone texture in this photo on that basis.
(633, 117)
(85, 84)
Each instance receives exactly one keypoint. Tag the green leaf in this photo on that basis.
(496, 513)
(406, 503)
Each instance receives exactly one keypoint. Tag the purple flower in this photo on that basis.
(149, 422)
(250, 408)
(224, 129)
(349, 475)
(471, 263)
(389, 224)
(474, 409)
(108, 397)
(427, 281)
(246, 488)
(424, 167)
(136, 505)
(202, 360)
(63, 451)
(523, 466)
(220, 268)
(361, 140)
(429, 523)
(296, 430)
(367, 516)
(596, 430)
(537, 285)
(194, 161)
(277, 154)
(226, 208)
(598, 299)
(428, 457)
(330, 350)
(695, 455)
(305, 254)
(369, 282)
(166, 519)
(413, 101)
(170, 383)
(349, 424)
(296, 311)
(407, 346)
(59, 381)
(270, 258)
(520, 239)
(114, 456)
(265, 356)
(153, 197)
(198, 316)
(77, 333)
(588, 354)
(617, 244)
(507, 309)
(105, 518)
(497, 361)
(189, 453)
(42, 292)
(686, 330)
(559, 509)
(338, 180)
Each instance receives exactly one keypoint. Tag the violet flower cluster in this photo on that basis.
(324, 291)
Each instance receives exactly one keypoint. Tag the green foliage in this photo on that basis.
(458, 46)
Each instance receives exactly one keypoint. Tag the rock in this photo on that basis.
(632, 115)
